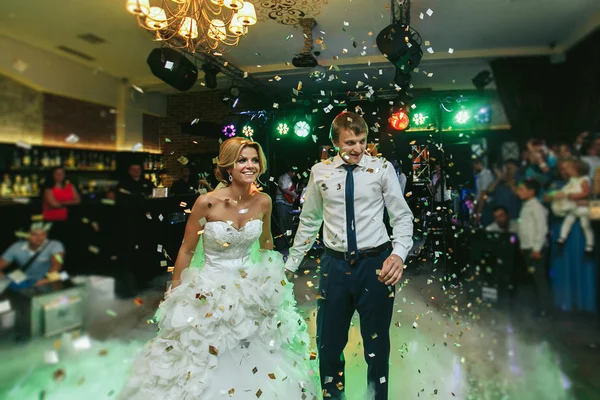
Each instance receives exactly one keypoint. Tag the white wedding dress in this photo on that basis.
(229, 330)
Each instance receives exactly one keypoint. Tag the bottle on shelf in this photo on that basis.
(6, 187)
(45, 160)
(57, 159)
(17, 161)
(26, 158)
(113, 162)
(35, 162)
(71, 161)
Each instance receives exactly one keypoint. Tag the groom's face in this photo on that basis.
(352, 147)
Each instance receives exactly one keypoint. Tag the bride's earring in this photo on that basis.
(230, 178)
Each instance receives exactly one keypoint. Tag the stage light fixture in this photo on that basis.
(229, 131)
(462, 117)
(302, 129)
(484, 115)
(283, 128)
(210, 75)
(248, 131)
(419, 119)
(482, 79)
(399, 120)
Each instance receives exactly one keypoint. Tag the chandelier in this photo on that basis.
(196, 25)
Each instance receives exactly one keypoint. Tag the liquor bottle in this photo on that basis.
(26, 159)
(113, 163)
(57, 159)
(35, 162)
(70, 164)
(16, 160)
(45, 160)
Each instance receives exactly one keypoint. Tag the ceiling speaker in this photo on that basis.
(173, 68)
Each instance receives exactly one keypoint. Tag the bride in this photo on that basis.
(228, 328)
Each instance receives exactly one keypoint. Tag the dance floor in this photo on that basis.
(444, 346)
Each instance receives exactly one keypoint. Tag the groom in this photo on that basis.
(360, 267)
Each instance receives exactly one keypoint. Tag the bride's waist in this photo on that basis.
(222, 260)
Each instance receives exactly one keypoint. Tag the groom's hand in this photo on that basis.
(289, 275)
(392, 270)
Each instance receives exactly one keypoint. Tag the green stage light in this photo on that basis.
(462, 117)
(419, 119)
(283, 129)
(302, 129)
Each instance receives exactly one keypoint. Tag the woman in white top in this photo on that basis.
(574, 195)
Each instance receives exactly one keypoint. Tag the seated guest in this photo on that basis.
(186, 184)
(502, 223)
(135, 184)
(36, 257)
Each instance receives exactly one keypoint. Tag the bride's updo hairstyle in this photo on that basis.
(230, 152)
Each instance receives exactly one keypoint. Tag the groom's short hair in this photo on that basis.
(347, 121)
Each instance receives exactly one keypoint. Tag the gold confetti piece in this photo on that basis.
(183, 204)
(254, 370)
(231, 392)
(259, 393)
(213, 350)
(226, 244)
(187, 378)
(243, 274)
(138, 301)
(374, 336)
(272, 376)
(103, 352)
(59, 375)
(187, 211)
(168, 349)
(183, 160)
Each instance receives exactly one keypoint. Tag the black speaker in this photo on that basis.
(173, 68)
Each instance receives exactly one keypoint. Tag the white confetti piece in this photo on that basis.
(139, 89)
(51, 357)
(160, 217)
(93, 249)
(346, 23)
(159, 248)
(275, 105)
(430, 50)
(382, 379)
(203, 221)
(245, 74)
(136, 147)
(451, 50)
(23, 145)
(243, 211)
(429, 12)
(421, 16)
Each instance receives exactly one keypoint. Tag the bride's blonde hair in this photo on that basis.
(230, 152)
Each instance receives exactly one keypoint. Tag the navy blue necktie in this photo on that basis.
(350, 225)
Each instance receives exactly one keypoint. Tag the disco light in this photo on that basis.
(302, 129)
(399, 120)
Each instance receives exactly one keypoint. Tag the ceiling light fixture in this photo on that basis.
(196, 25)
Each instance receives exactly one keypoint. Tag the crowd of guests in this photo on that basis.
(545, 199)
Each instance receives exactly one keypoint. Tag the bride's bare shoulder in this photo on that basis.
(264, 200)
(206, 199)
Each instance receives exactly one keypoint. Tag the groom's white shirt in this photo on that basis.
(375, 186)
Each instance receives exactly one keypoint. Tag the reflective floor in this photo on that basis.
(444, 346)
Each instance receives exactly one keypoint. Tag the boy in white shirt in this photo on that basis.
(533, 231)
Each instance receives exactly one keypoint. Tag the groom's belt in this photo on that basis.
(372, 252)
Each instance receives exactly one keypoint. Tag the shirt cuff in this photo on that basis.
(400, 252)
(292, 264)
